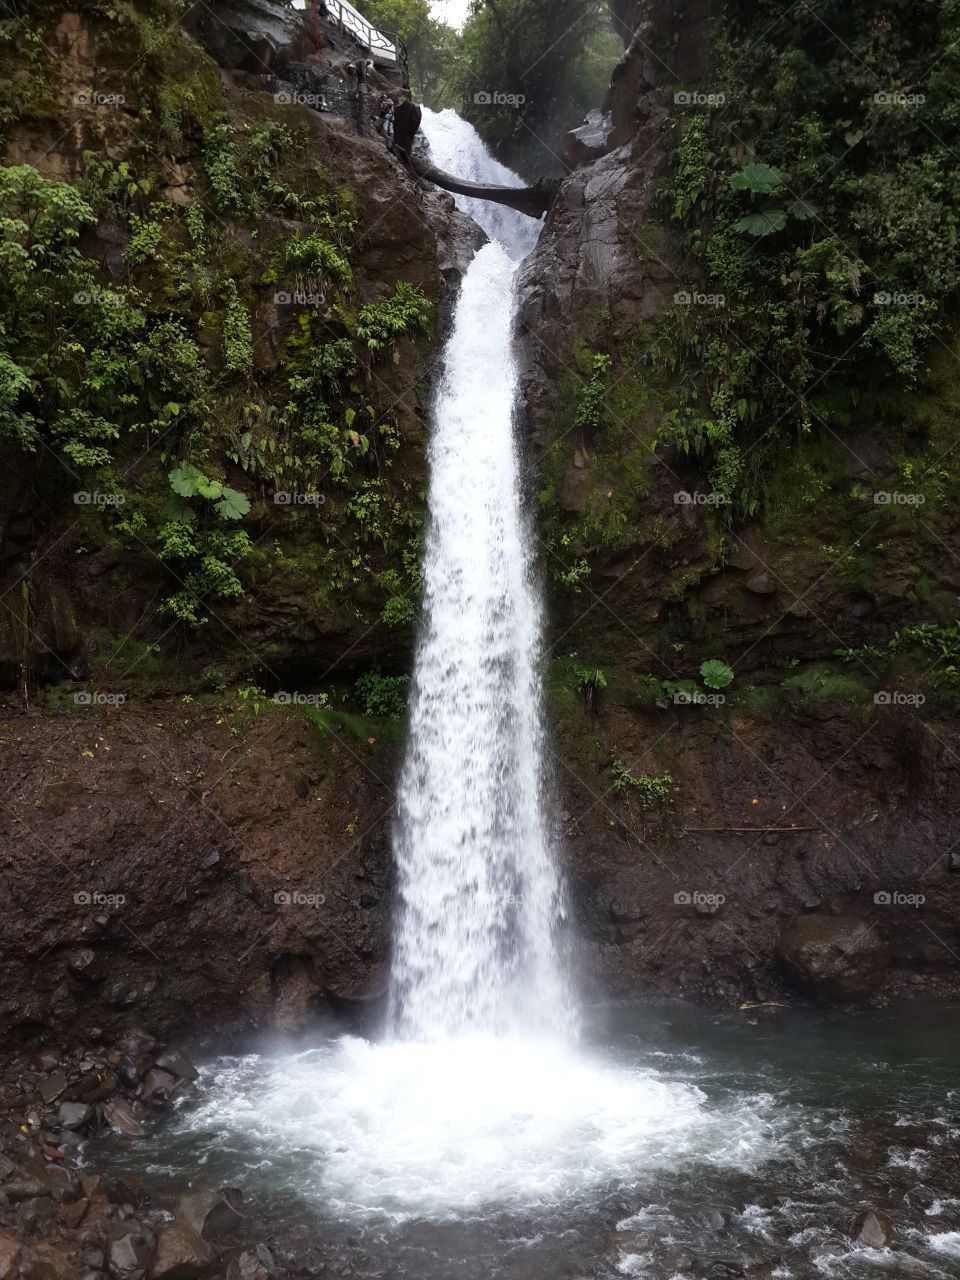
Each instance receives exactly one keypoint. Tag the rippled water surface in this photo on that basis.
(682, 1142)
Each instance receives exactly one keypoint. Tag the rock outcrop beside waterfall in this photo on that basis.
(799, 800)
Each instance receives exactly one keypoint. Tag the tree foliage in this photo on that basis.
(554, 55)
(818, 197)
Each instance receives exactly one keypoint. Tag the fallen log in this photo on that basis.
(533, 201)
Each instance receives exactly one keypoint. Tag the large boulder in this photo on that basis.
(9, 1256)
(210, 1213)
(182, 1254)
(833, 958)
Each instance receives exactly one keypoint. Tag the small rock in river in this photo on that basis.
(247, 1267)
(177, 1064)
(158, 1085)
(874, 1230)
(209, 1213)
(73, 1115)
(129, 1252)
(119, 1116)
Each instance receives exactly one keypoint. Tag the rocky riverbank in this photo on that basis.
(60, 1219)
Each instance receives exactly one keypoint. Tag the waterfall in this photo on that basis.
(481, 1099)
(456, 147)
(479, 901)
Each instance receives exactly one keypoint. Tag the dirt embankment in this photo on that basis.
(180, 865)
(176, 866)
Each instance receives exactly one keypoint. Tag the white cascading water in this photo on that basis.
(457, 149)
(479, 895)
(480, 1096)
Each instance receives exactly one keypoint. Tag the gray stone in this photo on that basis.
(53, 1086)
(833, 957)
(874, 1230)
(130, 1251)
(73, 1115)
(157, 1085)
(209, 1213)
(174, 1062)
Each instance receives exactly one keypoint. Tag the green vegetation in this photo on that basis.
(650, 791)
(525, 71)
(817, 199)
(716, 674)
(221, 357)
(381, 324)
(380, 696)
(929, 649)
(522, 72)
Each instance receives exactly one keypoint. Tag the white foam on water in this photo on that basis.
(458, 1127)
(946, 1242)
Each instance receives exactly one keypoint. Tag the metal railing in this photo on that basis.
(347, 18)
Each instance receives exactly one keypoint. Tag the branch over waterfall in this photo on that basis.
(533, 201)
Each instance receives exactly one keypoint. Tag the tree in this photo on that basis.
(525, 71)
(430, 44)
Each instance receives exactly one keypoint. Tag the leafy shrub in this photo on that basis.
(590, 398)
(650, 790)
(382, 697)
(381, 324)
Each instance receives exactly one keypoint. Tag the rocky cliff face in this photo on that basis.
(113, 797)
(250, 73)
(693, 829)
(793, 791)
